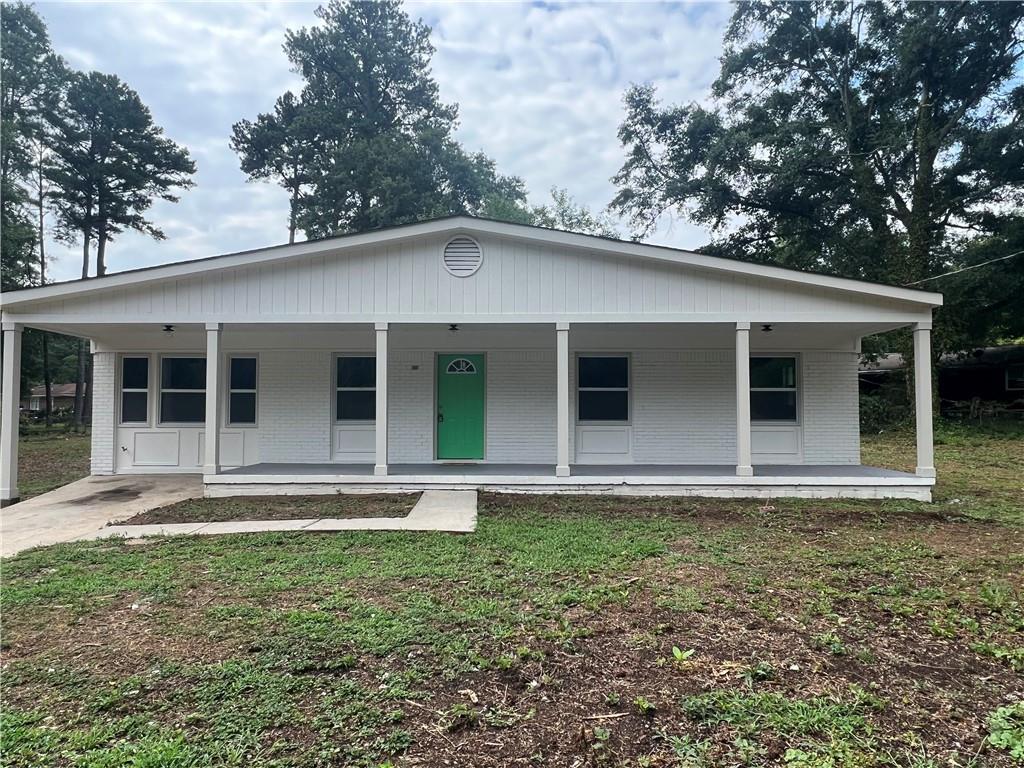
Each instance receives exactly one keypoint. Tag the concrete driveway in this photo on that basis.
(86, 505)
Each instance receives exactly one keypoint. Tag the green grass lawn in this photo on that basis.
(50, 458)
(583, 631)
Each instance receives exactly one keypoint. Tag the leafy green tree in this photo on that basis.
(368, 142)
(280, 146)
(868, 140)
(111, 162)
(29, 73)
(563, 212)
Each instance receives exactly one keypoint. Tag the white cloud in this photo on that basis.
(539, 89)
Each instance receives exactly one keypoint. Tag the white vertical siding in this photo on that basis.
(515, 278)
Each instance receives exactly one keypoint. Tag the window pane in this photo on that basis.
(357, 406)
(134, 407)
(242, 407)
(772, 372)
(357, 372)
(604, 406)
(773, 406)
(183, 373)
(183, 407)
(604, 372)
(243, 373)
(135, 373)
(1015, 377)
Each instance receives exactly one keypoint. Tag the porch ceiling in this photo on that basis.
(132, 336)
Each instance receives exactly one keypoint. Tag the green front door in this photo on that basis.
(460, 406)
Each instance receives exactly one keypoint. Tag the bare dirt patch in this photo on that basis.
(278, 508)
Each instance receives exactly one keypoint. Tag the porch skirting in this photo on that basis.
(799, 481)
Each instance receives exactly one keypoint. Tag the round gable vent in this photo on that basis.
(462, 256)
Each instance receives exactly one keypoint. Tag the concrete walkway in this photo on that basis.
(450, 511)
(82, 507)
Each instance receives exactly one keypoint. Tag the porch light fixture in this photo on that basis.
(168, 329)
(766, 328)
(453, 328)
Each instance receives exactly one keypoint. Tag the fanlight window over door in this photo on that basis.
(460, 365)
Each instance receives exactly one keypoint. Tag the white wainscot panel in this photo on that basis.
(232, 449)
(604, 444)
(355, 442)
(776, 444)
(155, 449)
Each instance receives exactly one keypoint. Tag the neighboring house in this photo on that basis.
(463, 352)
(61, 396)
(990, 374)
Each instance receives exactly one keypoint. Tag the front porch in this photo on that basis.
(767, 481)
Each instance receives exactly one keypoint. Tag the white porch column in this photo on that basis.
(380, 466)
(923, 399)
(9, 416)
(744, 466)
(211, 454)
(562, 345)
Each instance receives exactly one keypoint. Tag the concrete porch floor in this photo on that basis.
(86, 505)
(600, 471)
(787, 480)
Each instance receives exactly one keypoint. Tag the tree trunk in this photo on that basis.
(87, 398)
(80, 388)
(85, 253)
(47, 383)
(41, 199)
(101, 252)
(293, 204)
(80, 381)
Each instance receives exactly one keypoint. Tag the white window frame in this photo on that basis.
(228, 391)
(336, 388)
(628, 389)
(160, 391)
(1007, 373)
(121, 389)
(796, 388)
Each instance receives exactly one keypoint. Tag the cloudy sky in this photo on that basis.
(539, 89)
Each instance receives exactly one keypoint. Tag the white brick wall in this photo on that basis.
(831, 408)
(684, 407)
(295, 406)
(103, 408)
(521, 407)
(410, 407)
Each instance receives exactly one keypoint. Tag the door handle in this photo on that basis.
(440, 417)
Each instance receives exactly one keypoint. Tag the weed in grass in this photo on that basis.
(1012, 657)
(644, 707)
(829, 641)
(682, 600)
(1006, 730)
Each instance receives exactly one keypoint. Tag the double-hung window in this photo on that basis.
(182, 390)
(603, 388)
(241, 391)
(1015, 377)
(773, 389)
(356, 389)
(135, 390)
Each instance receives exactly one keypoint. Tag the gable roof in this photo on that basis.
(471, 225)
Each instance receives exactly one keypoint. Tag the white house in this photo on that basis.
(463, 352)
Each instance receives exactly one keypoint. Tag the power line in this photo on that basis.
(965, 269)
